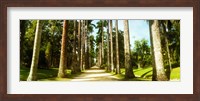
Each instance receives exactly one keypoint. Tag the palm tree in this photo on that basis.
(74, 67)
(63, 54)
(23, 26)
(168, 72)
(36, 50)
(102, 43)
(117, 49)
(108, 48)
(83, 46)
(79, 44)
(111, 46)
(128, 69)
(157, 52)
(100, 26)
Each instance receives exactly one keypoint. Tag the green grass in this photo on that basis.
(175, 74)
(145, 74)
(46, 74)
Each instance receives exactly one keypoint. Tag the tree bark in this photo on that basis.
(117, 49)
(128, 68)
(86, 45)
(102, 44)
(83, 43)
(36, 50)
(152, 53)
(108, 48)
(111, 46)
(74, 68)
(79, 45)
(22, 34)
(161, 76)
(168, 72)
(63, 54)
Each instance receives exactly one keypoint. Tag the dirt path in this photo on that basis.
(95, 74)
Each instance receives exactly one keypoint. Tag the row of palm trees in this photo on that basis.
(83, 59)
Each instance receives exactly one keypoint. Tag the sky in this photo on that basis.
(138, 29)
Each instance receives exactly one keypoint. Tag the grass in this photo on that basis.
(46, 74)
(145, 74)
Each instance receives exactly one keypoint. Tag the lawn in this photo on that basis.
(146, 74)
(46, 74)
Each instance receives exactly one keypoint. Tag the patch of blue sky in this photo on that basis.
(138, 29)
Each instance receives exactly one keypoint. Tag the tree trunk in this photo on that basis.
(100, 55)
(63, 54)
(128, 68)
(83, 42)
(48, 55)
(86, 45)
(111, 46)
(74, 68)
(79, 45)
(108, 49)
(22, 34)
(168, 72)
(117, 49)
(82, 45)
(152, 53)
(160, 72)
(36, 50)
(89, 49)
(102, 44)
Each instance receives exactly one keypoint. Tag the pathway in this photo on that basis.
(95, 74)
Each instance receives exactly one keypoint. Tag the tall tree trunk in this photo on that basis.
(152, 53)
(128, 68)
(111, 46)
(48, 55)
(22, 34)
(108, 48)
(83, 68)
(168, 72)
(86, 45)
(82, 44)
(102, 44)
(100, 55)
(89, 49)
(74, 68)
(79, 45)
(117, 49)
(158, 58)
(63, 54)
(36, 50)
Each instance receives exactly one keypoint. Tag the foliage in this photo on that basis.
(141, 54)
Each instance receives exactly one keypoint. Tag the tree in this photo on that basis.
(111, 46)
(128, 69)
(79, 45)
(108, 48)
(33, 71)
(117, 49)
(63, 54)
(168, 72)
(141, 53)
(75, 67)
(82, 45)
(157, 51)
(23, 26)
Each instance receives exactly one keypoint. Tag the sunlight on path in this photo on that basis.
(95, 74)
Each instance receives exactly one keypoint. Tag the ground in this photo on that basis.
(95, 74)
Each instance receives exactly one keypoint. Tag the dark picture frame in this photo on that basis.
(98, 97)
